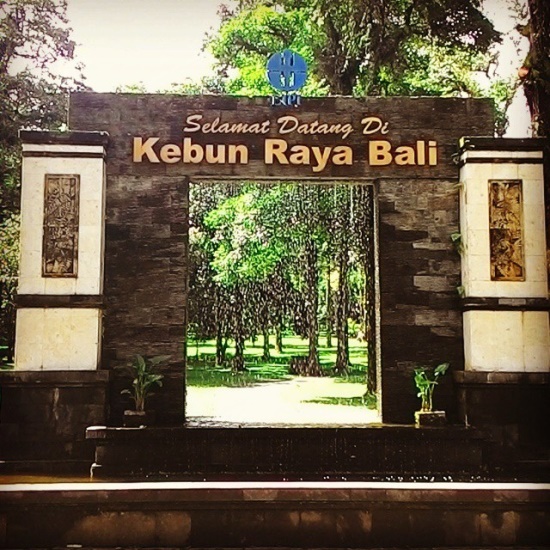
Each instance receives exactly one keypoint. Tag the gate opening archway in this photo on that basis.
(282, 308)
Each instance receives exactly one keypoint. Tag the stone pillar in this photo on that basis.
(57, 388)
(505, 383)
(62, 248)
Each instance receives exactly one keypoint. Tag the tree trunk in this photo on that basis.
(312, 283)
(266, 354)
(536, 70)
(279, 336)
(368, 328)
(342, 307)
(238, 360)
(329, 309)
(220, 347)
(221, 342)
(369, 298)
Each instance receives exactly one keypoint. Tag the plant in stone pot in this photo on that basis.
(145, 379)
(426, 383)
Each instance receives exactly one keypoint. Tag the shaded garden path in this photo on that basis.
(281, 402)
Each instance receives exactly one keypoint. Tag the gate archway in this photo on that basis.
(158, 143)
(124, 174)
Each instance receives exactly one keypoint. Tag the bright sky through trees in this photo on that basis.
(132, 41)
(158, 43)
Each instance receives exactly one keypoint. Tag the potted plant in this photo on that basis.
(144, 381)
(426, 384)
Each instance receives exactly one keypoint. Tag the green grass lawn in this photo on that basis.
(205, 376)
(357, 401)
(201, 369)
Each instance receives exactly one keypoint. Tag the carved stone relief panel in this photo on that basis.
(506, 230)
(60, 238)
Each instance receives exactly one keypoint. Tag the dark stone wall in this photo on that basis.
(513, 410)
(295, 453)
(146, 228)
(45, 414)
(125, 116)
(421, 322)
(146, 285)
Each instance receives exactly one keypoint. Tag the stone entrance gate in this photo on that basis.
(104, 267)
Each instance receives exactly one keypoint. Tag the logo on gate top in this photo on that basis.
(286, 71)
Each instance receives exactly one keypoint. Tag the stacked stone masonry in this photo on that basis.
(146, 228)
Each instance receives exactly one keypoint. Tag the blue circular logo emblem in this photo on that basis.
(286, 71)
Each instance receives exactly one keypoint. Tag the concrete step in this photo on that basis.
(275, 515)
(76, 547)
(61, 469)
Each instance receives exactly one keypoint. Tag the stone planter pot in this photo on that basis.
(135, 419)
(429, 418)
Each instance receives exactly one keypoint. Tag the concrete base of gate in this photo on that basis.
(513, 410)
(371, 452)
(44, 415)
(291, 515)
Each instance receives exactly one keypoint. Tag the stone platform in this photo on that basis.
(265, 452)
(274, 514)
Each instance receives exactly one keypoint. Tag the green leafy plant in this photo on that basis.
(456, 239)
(144, 379)
(426, 384)
(9, 265)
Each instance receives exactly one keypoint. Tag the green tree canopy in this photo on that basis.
(34, 41)
(355, 45)
(535, 72)
(244, 251)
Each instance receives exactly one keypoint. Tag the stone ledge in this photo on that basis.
(505, 304)
(288, 452)
(486, 143)
(376, 431)
(524, 378)
(59, 300)
(30, 471)
(64, 138)
(62, 378)
(347, 493)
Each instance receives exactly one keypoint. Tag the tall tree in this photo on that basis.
(363, 47)
(9, 260)
(365, 249)
(248, 36)
(535, 72)
(340, 236)
(535, 76)
(293, 217)
(244, 260)
(34, 37)
(352, 45)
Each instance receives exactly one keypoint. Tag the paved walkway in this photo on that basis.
(282, 402)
